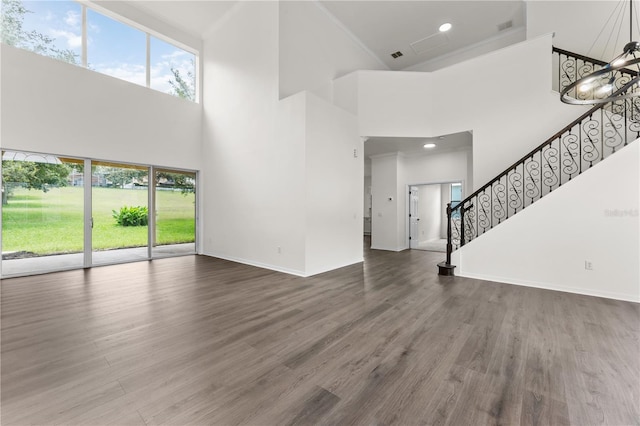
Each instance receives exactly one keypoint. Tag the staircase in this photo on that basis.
(598, 133)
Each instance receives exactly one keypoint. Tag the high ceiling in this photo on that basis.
(384, 27)
(191, 16)
(411, 27)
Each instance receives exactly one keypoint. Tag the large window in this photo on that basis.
(51, 29)
(172, 69)
(116, 49)
(61, 213)
(80, 35)
(175, 207)
(42, 212)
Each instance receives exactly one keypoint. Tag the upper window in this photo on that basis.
(116, 49)
(172, 69)
(74, 33)
(49, 28)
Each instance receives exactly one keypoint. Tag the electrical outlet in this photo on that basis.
(588, 265)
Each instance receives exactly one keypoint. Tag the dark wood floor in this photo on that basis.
(201, 341)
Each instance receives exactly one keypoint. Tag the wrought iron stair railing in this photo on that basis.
(573, 66)
(595, 135)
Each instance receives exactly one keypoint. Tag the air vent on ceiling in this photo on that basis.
(505, 25)
(396, 55)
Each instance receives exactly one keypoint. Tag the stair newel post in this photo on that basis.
(449, 235)
(462, 240)
(446, 268)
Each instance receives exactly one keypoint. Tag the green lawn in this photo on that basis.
(52, 222)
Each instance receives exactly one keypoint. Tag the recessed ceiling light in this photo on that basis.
(445, 27)
(429, 145)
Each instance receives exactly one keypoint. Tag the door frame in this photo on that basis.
(407, 203)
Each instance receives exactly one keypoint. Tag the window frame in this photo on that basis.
(88, 162)
(86, 4)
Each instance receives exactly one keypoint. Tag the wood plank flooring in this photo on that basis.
(202, 341)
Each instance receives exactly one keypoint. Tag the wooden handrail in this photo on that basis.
(593, 60)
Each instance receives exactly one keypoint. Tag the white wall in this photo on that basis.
(430, 211)
(392, 103)
(504, 97)
(573, 224)
(436, 168)
(268, 198)
(334, 191)
(508, 117)
(390, 176)
(314, 50)
(384, 200)
(502, 40)
(577, 24)
(345, 93)
(128, 13)
(253, 186)
(53, 107)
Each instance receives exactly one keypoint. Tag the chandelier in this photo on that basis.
(605, 84)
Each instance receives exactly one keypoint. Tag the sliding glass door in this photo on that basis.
(42, 213)
(63, 213)
(120, 212)
(175, 212)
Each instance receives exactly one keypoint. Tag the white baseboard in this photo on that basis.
(388, 249)
(323, 270)
(279, 268)
(546, 286)
(256, 264)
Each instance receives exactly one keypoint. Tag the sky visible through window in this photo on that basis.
(113, 48)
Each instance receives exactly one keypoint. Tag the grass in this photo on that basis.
(52, 222)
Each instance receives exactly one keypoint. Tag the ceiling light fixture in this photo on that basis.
(444, 27)
(429, 145)
(599, 86)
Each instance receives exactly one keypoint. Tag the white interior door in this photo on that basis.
(414, 218)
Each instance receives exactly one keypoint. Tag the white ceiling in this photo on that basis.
(191, 16)
(409, 146)
(389, 26)
(414, 146)
(382, 26)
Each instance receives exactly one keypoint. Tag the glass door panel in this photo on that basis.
(42, 213)
(175, 213)
(119, 199)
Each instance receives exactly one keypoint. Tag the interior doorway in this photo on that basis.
(427, 219)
